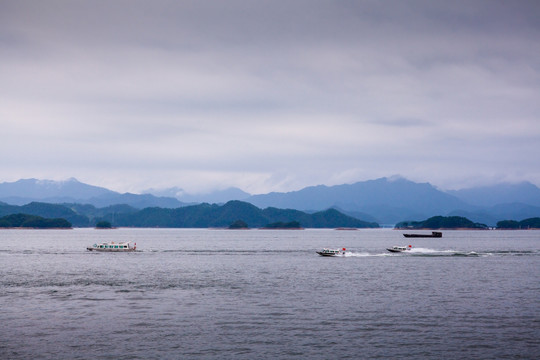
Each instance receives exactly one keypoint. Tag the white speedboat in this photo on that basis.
(331, 252)
(399, 248)
(113, 247)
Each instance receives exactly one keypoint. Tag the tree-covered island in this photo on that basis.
(33, 222)
(193, 216)
(442, 222)
(238, 224)
(103, 225)
(531, 223)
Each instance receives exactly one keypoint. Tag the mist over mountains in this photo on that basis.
(524, 192)
(214, 197)
(384, 200)
(25, 191)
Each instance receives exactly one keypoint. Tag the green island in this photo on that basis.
(238, 224)
(193, 216)
(232, 215)
(33, 222)
(442, 222)
(531, 223)
(103, 225)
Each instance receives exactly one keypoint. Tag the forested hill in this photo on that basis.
(48, 211)
(532, 223)
(205, 215)
(196, 216)
(441, 222)
(32, 221)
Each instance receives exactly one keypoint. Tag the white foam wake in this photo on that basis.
(429, 251)
(356, 254)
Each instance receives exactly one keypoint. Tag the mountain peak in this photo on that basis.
(37, 189)
(388, 200)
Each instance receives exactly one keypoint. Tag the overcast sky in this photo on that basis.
(269, 95)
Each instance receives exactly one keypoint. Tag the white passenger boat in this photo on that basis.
(113, 247)
(331, 252)
(399, 248)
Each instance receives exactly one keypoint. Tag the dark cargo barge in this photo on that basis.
(434, 234)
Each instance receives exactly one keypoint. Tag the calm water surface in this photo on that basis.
(261, 294)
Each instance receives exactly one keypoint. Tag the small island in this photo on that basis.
(104, 225)
(238, 225)
(527, 224)
(33, 222)
(441, 222)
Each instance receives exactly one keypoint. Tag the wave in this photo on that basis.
(447, 252)
(450, 252)
(427, 252)
(228, 251)
(356, 254)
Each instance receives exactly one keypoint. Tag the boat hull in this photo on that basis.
(325, 254)
(110, 250)
(398, 249)
(113, 247)
(434, 234)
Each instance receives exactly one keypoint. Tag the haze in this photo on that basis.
(269, 95)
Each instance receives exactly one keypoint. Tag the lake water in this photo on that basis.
(263, 294)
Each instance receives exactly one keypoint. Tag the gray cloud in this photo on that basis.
(269, 95)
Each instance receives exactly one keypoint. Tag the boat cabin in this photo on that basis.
(115, 246)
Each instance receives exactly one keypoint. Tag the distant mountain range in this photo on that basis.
(384, 200)
(387, 200)
(524, 193)
(25, 191)
(391, 200)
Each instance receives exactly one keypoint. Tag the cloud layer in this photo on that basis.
(269, 95)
